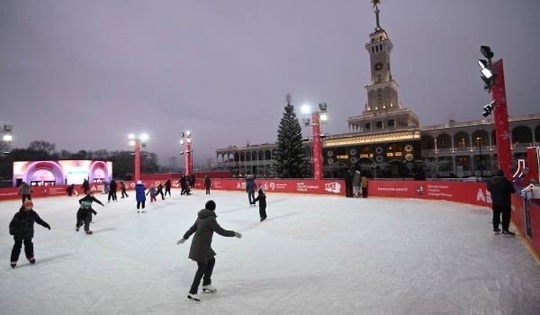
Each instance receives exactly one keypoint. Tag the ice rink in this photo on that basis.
(313, 255)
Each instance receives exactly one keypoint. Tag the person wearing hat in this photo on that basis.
(261, 198)
(201, 250)
(84, 214)
(22, 229)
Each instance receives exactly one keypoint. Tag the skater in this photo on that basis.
(153, 193)
(348, 184)
(123, 189)
(25, 191)
(85, 186)
(364, 186)
(356, 184)
(84, 214)
(160, 191)
(501, 190)
(168, 185)
(207, 184)
(70, 190)
(261, 198)
(113, 187)
(250, 188)
(140, 196)
(22, 229)
(201, 250)
(183, 185)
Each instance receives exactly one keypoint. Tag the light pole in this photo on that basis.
(186, 141)
(317, 117)
(480, 160)
(138, 142)
(7, 137)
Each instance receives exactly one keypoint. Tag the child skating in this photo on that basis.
(84, 214)
(152, 192)
(201, 250)
(261, 198)
(22, 229)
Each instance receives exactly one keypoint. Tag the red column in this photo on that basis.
(317, 147)
(189, 158)
(137, 159)
(502, 129)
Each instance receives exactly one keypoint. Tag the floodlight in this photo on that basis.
(323, 106)
(486, 51)
(305, 109)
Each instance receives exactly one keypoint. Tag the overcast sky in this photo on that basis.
(84, 74)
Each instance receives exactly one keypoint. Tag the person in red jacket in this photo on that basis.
(22, 229)
(201, 250)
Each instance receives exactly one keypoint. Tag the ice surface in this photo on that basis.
(313, 255)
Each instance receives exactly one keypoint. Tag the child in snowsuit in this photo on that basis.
(261, 198)
(84, 214)
(22, 229)
(153, 193)
(201, 250)
(25, 191)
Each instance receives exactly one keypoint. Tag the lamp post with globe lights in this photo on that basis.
(138, 142)
(186, 141)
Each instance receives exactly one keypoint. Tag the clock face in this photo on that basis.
(379, 66)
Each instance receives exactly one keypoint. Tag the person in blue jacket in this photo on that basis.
(140, 195)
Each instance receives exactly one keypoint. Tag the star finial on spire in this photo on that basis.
(375, 2)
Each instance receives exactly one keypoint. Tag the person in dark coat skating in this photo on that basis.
(84, 214)
(22, 229)
(123, 189)
(207, 184)
(501, 190)
(113, 187)
(168, 185)
(251, 187)
(201, 248)
(85, 186)
(261, 198)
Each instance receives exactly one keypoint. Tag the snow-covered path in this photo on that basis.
(313, 255)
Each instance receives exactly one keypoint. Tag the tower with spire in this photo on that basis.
(382, 112)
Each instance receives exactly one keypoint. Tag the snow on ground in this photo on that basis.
(313, 255)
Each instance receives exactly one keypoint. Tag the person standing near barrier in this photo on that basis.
(501, 190)
(207, 184)
(25, 191)
(364, 186)
(168, 185)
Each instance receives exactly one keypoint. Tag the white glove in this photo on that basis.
(181, 241)
(238, 234)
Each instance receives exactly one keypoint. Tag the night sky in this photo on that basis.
(84, 74)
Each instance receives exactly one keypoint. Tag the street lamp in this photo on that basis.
(317, 117)
(7, 137)
(138, 142)
(186, 140)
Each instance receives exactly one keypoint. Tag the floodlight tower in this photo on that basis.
(137, 142)
(186, 140)
(493, 77)
(317, 117)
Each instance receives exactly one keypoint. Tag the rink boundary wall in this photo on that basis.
(474, 193)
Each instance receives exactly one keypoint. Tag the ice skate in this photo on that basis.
(13, 264)
(209, 289)
(193, 298)
(32, 260)
(497, 231)
(508, 233)
(89, 232)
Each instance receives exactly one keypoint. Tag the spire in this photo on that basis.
(376, 6)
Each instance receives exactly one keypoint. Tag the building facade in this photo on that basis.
(386, 140)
